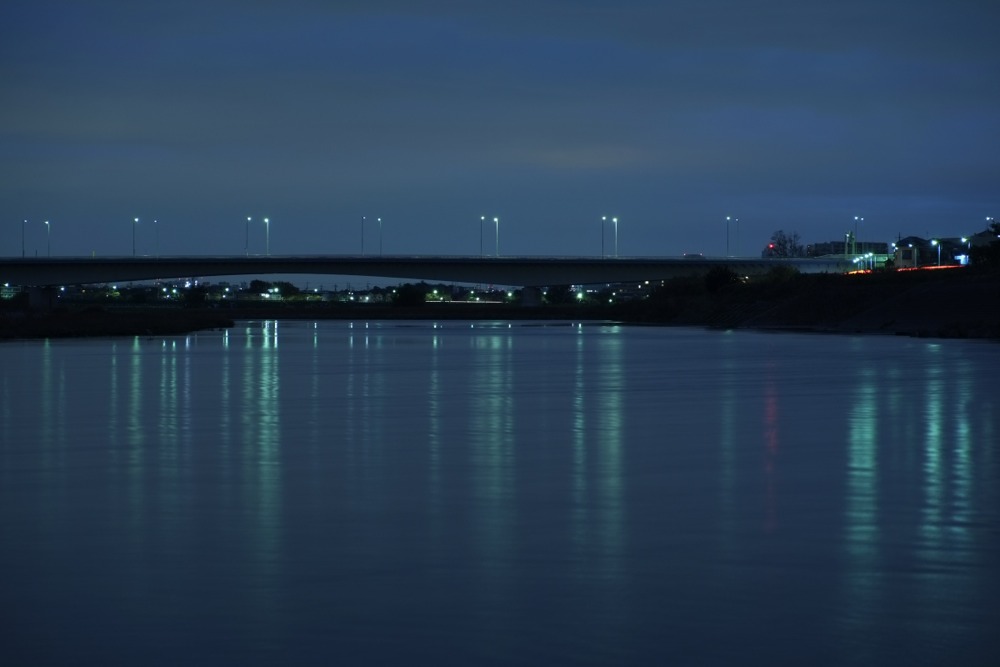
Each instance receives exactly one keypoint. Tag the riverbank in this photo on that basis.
(94, 322)
(957, 303)
(954, 303)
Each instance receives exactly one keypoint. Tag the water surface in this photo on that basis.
(496, 493)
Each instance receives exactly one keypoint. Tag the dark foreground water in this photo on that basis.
(492, 494)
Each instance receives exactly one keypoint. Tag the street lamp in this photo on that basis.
(482, 221)
(135, 222)
(156, 238)
(604, 219)
(938, 244)
(856, 221)
(497, 222)
(48, 239)
(737, 221)
(23, 223)
(379, 237)
(267, 237)
(246, 243)
(362, 236)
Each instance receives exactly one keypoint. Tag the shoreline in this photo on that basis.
(962, 304)
(94, 323)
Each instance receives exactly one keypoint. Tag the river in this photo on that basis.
(499, 493)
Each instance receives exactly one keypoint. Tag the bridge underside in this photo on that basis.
(509, 271)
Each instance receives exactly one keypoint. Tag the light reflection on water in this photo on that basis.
(489, 493)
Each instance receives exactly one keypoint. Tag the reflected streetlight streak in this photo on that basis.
(861, 539)
(437, 409)
(964, 397)
(611, 445)
(264, 402)
(931, 524)
(135, 441)
(581, 519)
(493, 447)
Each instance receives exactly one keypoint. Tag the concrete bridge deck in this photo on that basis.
(526, 271)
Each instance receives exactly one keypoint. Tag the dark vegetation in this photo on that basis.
(94, 321)
(946, 303)
(955, 302)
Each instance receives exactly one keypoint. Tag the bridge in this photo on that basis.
(510, 271)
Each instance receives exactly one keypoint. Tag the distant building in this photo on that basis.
(913, 251)
(846, 247)
(981, 239)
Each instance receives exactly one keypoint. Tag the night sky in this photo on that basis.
(549, 114)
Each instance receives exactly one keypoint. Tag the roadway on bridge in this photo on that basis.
(509, 271)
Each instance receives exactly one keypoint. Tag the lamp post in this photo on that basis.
(156, 238)
(604, 221)
(938, 244)
(482, 221)
(497, 222)
(379, 237)
(246, 243)
(857, 220)
(23, 223)
(727, 237)
(615, 220)
(362, 236)
(135, 223)
(48, 239)
(267, 237)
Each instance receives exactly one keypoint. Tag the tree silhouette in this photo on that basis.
(785, 245)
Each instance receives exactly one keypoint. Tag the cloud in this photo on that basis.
(321, 106)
